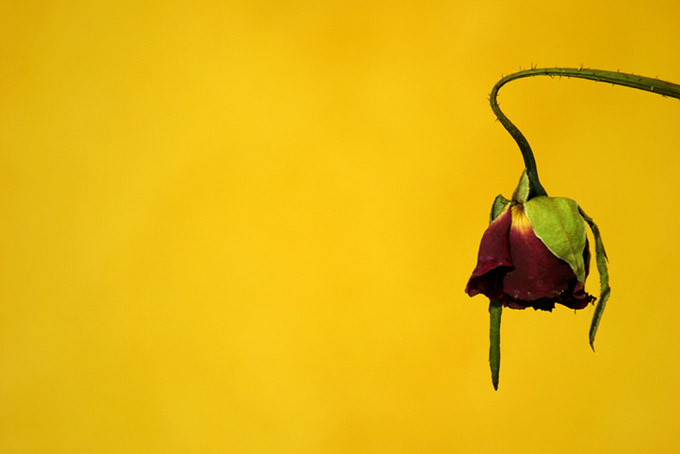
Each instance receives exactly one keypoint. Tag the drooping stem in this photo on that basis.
(605, 290)
(616, 78)
(495, 310)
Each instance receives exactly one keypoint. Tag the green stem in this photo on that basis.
(605, 290)
(616, 78)
(495, 310)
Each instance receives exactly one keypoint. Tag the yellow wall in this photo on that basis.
(246, 227)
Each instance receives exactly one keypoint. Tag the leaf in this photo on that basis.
(521, 193)
(556, 221)
(605, 290)
(495, 310)
(498, 206)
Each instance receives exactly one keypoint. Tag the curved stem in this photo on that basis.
(616, 78)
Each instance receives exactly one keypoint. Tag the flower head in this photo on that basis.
(533, 254)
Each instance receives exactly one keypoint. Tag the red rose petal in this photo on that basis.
(493, 258)
(517, 269)
(537, 273)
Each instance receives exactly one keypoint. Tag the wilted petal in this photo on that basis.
(517, 269)
(576, 297)
(493, 258)
(536, 272)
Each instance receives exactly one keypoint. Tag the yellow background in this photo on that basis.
(246, 227)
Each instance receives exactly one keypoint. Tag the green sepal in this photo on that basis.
(498, 206)
(522, 190)
(495, 310)
(605, 290)
(556, 221)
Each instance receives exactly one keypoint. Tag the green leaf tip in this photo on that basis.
(605, 290)
(523, 189)
(498, 206)
(495, 310)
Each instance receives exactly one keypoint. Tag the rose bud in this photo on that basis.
(533, 254)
